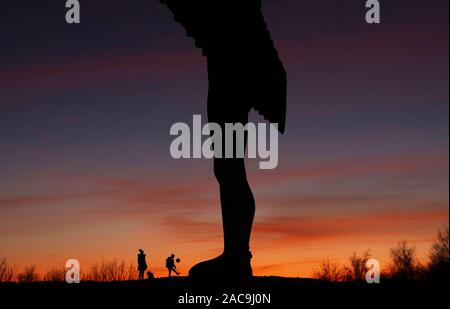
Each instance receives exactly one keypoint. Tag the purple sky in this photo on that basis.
(85, 113)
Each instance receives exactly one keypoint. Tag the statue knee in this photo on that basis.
(219, 172)
(229, 171)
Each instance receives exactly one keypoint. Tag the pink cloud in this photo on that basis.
(100, 70)
(362, 166)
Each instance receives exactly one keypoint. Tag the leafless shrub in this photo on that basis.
(55, 275)
(328, 271)
(439, 265)
(404, 264)
(439, 252)
(356, 270)
(28, 275)
(108, 271)
(7, 272)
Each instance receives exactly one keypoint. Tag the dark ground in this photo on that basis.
(285, 292)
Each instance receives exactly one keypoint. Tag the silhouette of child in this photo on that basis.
(170, 265)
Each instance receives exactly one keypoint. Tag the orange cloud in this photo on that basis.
(180, 211)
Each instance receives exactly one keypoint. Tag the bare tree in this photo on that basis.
(7, 272)
(439, 252)
(28, 275)
(328, 271)
(356, 270)
(404, 262)
(438, 267)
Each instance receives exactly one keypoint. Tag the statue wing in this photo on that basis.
(196, 16)
(191, 14)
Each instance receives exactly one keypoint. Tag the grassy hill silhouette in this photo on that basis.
(281, 291)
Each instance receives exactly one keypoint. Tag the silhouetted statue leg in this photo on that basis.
(244, 72)
(238, 205)
(229, 101)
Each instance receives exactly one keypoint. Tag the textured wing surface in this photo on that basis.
(206, 21)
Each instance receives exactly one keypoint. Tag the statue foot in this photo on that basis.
(223, 267)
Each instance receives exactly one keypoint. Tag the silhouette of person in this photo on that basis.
(170, 265)
(244, 72)
(142, 264)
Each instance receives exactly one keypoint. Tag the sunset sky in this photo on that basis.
(85, 114)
